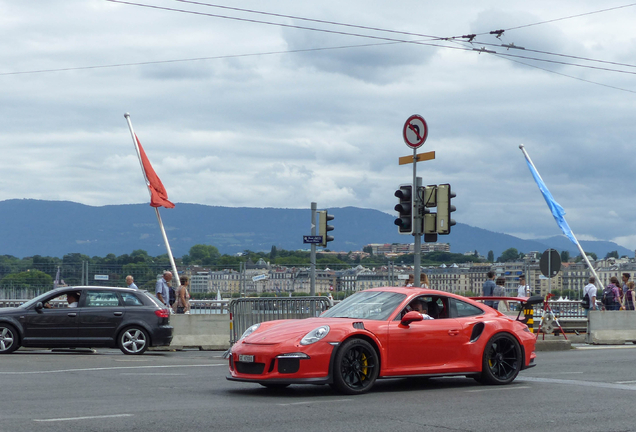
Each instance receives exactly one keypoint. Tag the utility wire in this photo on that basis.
(559, 19)
(309, 19)
(564, 75)
(419, 34)
(512, 46)
(389, 41)
(354, 34)
(196, 59)
(266, 22)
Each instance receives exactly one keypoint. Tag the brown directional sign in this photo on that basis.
(420, 157)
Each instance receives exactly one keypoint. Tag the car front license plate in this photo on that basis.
(246, 358)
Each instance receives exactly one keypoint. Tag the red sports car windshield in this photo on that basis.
(372, 305)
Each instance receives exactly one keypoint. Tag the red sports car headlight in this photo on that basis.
(315, 335)
(250, 330)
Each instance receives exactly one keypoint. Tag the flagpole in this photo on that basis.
(576, 241)
(163, 231)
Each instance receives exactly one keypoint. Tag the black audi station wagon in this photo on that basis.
(87, 316)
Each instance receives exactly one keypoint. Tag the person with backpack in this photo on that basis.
(589, 296)
(611, 295)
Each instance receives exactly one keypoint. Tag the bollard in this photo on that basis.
(528, 314)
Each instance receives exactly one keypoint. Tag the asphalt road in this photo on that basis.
(589, 389)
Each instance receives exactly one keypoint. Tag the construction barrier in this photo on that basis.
(245, 312)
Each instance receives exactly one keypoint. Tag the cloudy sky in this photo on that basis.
(243, 113)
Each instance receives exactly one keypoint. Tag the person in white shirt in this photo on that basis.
(523, 290)
(590, 290)
(72, 299)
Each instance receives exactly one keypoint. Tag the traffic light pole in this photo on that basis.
(312, 280)
(417, 244)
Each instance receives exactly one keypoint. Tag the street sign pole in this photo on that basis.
(417, 242)
(312, 280)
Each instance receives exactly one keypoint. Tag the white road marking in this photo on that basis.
(309, 402)
(594, 347)
(83, 418)
(110, 368)
(498, 389)
(579, 383)
(625, 382)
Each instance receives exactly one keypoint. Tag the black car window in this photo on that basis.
(101, 299)
(463, 309)
(130, 299)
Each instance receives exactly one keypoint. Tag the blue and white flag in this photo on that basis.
(555, 208)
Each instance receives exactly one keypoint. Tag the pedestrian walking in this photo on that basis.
(611, 295)
(182, 305)
(629, 297)
(488, 288)
(499, 291)
(130, 282)
(590, 292)
(162, 290)
(623, 287)
(523, 290)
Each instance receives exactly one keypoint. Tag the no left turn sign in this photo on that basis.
(415, 131)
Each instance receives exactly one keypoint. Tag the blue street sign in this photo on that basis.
(312, 239)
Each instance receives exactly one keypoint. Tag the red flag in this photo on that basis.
(158, 194)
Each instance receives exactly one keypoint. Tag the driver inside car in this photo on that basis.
(420, 307)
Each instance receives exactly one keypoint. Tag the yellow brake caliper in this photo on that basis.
(365, 363)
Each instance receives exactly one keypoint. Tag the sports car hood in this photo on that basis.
(291, 331)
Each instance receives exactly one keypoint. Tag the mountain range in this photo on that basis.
(54, 228)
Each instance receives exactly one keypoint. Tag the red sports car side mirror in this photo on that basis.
(411, 317)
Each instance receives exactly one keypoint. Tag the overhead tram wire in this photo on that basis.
(420, 34)
(512, 46)
(282, 24)
(197, 59)
(310, 19)
(558, 19)
(389, 41)
(565, 75)
(356, 34)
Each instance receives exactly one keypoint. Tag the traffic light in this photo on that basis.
(429, 198)
(323, 228)
(444, 209)
(404, 209)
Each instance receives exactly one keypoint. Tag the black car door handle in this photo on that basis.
(118, 313)
(72, 314)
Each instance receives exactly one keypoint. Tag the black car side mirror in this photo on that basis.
(39, 306)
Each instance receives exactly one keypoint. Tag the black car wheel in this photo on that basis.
(8, 339)
(133, 341)
(356, 367)
(501, 360)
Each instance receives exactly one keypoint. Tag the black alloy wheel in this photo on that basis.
(356, 367)
(501, 360)
(8, 339)
(133, 341)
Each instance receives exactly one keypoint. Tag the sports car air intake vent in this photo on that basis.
(358, 325)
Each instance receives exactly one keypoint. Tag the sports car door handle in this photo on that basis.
(72, 314)
(453, 332)
(118, 313)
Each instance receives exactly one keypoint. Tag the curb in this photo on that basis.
(553, 345)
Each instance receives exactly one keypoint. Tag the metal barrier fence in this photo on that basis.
(245, 312)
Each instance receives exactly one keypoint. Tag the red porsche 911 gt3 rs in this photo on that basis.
(385, 333)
